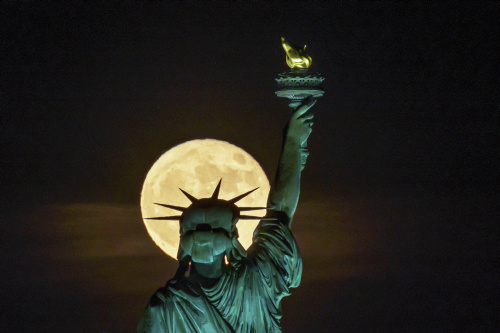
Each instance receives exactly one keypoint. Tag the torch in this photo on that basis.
(298, 83)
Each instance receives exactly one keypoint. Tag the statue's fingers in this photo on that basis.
(306, 105)
(307, 116)
(305, 120)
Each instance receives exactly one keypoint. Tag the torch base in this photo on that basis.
(299, 84)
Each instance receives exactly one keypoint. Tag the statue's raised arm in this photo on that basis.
(284, 194)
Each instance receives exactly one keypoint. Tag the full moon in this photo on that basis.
(196, 167)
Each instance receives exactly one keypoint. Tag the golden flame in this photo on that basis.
(296, 58)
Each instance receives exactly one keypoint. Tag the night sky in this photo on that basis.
(398, 221)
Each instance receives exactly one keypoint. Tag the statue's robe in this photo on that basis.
(243, 299)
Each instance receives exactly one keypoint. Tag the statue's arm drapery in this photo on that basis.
(274, 251)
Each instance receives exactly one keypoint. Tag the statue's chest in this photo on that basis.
(240, 299)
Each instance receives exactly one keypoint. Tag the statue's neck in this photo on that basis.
(213, 270)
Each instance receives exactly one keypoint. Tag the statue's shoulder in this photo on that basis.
(161, 296)
(175, 288)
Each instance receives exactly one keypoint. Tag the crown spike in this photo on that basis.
(165, 218)
(248, 217)
(215, 195)
(189, 196)
(243, 209)
(238, 198)
(181, 209)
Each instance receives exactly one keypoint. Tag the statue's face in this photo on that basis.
(206, 232)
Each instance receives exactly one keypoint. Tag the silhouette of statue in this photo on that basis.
(245, 294)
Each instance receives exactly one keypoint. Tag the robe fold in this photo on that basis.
(244, 299)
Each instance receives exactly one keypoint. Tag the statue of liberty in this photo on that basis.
(219, 286)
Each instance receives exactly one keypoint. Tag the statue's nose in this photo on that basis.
(203, 227)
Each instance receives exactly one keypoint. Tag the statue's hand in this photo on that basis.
(300, 125)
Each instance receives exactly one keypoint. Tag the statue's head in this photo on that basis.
(208, 227)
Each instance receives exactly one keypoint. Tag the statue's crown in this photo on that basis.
(213, 201)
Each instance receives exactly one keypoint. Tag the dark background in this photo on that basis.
(399, 216)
